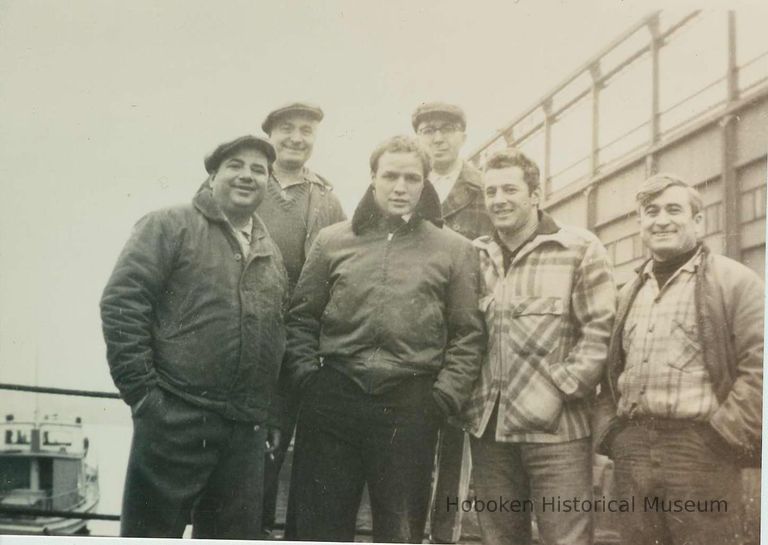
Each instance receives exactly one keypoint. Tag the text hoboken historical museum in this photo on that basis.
(557, 504)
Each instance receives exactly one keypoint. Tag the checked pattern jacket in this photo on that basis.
(549, 320)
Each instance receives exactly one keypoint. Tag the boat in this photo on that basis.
(43, 467)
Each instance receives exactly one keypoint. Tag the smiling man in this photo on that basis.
(192, 318)
(549, 305)
(685, 377)
(385, 340)
(297, 204)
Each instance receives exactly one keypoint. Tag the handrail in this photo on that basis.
(58, 391)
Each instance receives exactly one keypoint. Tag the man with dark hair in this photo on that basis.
(385, 340)
(192, 318)
(681, 406)
(441, 130)
(297, 204)
(549, 306)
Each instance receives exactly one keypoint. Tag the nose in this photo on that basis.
(295, 136)
(661, 218)
(399, 187)
(497, 198)
(245, 174)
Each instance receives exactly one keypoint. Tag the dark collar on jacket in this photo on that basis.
(468, 187)
(367, 214)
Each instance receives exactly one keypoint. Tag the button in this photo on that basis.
(256, 427)
(238, 257)
(650, 327)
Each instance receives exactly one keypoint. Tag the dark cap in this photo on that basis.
(429, 109)
(224, 150)
(293, 108)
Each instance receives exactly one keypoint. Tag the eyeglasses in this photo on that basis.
(445, 130)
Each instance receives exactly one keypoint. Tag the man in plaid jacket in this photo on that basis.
(549, 306)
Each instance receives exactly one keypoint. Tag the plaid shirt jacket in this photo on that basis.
(549, 321)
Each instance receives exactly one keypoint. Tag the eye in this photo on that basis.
(413, 178)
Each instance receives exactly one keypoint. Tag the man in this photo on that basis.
(441, 131)
(385, 341)
(549, 306)
(681, 404)
(192, 318)
(297, 204)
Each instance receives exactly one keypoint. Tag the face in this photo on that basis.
(510, 205)
(239, 183)
(293, 136)
(398, 182)
(667, 224)
(442, 137)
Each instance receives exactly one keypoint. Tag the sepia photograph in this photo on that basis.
(393, 272)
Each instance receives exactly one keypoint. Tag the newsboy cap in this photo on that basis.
(311, 110)
(222, 151)
(438, 108)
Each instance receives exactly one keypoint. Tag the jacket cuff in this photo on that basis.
(568, 384)
(444, 402)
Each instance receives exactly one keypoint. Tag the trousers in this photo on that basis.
(189, 464)
(534, 475)
(346, 438)
(684, 482)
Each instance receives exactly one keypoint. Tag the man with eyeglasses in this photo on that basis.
(441, 131)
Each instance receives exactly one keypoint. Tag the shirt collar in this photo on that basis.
(451, 175)
(690, 266)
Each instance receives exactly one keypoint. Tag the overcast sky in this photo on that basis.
(107, 109)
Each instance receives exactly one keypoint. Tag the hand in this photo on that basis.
(273, 440)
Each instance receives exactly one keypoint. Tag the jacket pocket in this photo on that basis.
(684, 346)
(533, 324)
(531, 332)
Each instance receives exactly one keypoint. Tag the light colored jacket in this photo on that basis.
(729, 312)
(549, 319)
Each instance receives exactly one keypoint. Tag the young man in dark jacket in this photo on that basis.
(385, 340)
(297, 204)
(441, 129)
(681, 407)
(192, 318)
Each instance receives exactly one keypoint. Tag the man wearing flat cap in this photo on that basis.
(297, 204)
(441, 130)
(192, 318)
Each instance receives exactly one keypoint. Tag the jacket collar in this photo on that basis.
(645, 268)
(203, 201)
(464, 191)
(547, 231)
(367, 214)
(311, 178)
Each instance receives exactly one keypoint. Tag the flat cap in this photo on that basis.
(438, 108)
(222, 151)
(311, 110)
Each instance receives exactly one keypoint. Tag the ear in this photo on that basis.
(698, 223)
(536, 196)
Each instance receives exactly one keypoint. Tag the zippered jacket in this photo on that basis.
(729, 313)
(186, 311)
(549, 319)
(382, 305)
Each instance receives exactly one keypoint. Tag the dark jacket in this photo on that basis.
(185, 311)
(464, 207)
(729, 313)
(381, 306)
